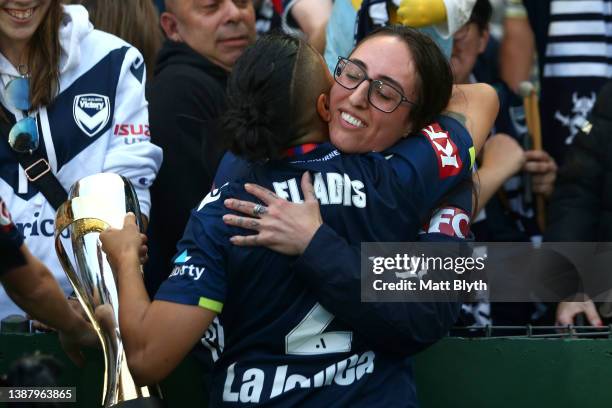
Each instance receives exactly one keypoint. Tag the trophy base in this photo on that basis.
(149, 402)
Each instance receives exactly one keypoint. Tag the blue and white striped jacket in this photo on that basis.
(98, 122)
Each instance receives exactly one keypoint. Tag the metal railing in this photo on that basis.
(530, 331)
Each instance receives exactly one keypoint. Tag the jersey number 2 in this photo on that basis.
(307, 338)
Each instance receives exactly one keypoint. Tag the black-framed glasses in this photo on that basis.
(23, 136)
(381, 95)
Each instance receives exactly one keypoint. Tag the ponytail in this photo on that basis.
(258, 122)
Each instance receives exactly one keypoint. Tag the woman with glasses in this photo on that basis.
(71, 104)
(272, 340)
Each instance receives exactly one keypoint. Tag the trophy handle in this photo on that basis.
(132, 203)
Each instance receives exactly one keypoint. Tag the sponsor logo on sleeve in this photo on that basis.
(131, 129)
(91, 112)
(449, 162)
(5, 216)
(451, 221)
(182, 258)
(132, 132)
(181, 269)
(6, 224)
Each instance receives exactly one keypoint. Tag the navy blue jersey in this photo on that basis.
(274, 343)
(10, 241)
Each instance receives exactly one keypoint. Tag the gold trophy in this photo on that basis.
(94, 204)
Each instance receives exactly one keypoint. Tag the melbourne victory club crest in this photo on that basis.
(91, 112)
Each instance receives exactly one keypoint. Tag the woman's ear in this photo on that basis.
(323, 107)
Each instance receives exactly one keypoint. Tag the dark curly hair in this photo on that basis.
(258, 122)
(481, 14)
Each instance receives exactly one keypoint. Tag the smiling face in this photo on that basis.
(358, 127)
(19, 20)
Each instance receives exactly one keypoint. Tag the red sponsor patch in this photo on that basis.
(449, 162)
(6, 224)
(451, 221)
(129, 129)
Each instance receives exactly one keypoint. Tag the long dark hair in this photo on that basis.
(481, 14)
(434, 82)
(258, 123)
(44, 57)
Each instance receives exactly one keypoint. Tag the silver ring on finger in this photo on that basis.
(259, 209)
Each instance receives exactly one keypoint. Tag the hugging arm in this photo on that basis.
(478, 104)
(502, 157)
(331, 268)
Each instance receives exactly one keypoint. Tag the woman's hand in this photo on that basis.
(543, 170)
(282, 226)
(126, 245)
(568, 311)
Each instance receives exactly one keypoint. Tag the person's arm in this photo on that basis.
(312, 17)
(502, 157)
(431, 163)
(331, 268)
(34, 289)
(156, 335)
(517, 49)
(479, 105)
(32, 286)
